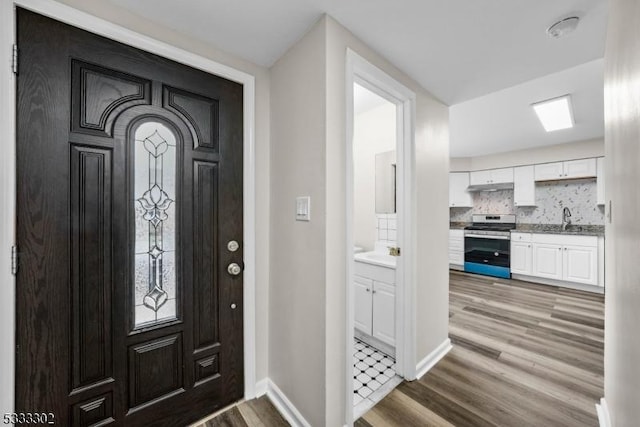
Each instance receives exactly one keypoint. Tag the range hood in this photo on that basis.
(491, 187)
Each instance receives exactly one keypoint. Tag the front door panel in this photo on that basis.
(129, 188)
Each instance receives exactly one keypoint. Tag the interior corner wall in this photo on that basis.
(298, 279)
(139, 24)
(432, 167)
(622, 133)
(374, 132)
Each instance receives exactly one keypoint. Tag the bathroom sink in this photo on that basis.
(376, 258)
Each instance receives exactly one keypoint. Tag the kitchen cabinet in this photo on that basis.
(600, 196)
(564, 258)
(547, 260)
(521, 253)
(458, 194)
(491, 176)
(580, 264)
(456, 249)
(571, 169)
(375, 308)
(524, 186)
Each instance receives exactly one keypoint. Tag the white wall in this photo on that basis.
(622, 133)
(374, 132)
(298, 281)
(139, 24)
(551, 153)
(308, 270)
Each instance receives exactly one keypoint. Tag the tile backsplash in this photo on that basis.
(386, 229)
(578, 195)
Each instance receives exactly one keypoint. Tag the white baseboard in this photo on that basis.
(603, 413)
(262, 387)
(284, 405)
(432, 358)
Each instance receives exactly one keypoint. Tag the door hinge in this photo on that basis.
(14, 260)
(14, 59)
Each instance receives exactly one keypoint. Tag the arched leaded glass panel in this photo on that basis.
(155, 223)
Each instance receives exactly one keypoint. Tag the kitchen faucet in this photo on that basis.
(566, 214)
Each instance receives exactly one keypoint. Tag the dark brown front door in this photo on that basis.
(129, 191)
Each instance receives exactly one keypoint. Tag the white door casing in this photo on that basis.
(366, 74)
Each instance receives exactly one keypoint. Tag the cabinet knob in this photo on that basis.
(368, 290)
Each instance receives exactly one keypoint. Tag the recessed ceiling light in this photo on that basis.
(555, 113)
(563, 27)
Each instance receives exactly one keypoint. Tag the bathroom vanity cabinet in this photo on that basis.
(375, 300)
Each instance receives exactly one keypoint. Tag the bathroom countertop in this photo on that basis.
(456, 225)
(573, 229)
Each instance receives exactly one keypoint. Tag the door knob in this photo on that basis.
(234, 269)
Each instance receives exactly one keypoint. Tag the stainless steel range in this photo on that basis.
(487, 245)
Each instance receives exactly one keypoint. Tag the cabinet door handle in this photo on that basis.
(373, 292)
(368, 290)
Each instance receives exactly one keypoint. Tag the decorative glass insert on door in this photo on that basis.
(155, 223)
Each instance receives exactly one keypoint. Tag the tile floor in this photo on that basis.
(372, 370)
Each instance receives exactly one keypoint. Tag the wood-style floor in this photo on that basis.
(523, 355)
(254, 413)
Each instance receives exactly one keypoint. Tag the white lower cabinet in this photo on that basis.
(547, 260)
(363, 303)
(562, 258)
(384, 308)
(456, 247)
(521, 254)
(375, 309)
(580, 264)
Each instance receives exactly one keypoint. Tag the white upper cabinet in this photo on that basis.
(524, 186)
(491, 176)
(548, 171)
(458, 194)
(583, 168)
(600, 181)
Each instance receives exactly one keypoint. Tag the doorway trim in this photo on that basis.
(361, 71)
(99, 26)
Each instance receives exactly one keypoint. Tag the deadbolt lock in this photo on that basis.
(233, 246)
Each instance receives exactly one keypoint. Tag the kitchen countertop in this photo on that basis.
(453, 225)
(573, 229)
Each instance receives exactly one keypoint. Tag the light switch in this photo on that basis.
(303, 208)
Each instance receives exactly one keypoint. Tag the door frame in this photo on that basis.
(361, 71)
(93, 24)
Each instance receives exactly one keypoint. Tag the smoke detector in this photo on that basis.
(563, 27)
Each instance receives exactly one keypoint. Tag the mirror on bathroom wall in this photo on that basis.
(386, 182)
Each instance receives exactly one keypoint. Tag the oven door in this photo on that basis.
(487, 255)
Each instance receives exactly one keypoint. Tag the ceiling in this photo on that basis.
(505, 121)
(365, 100)
(459, 50)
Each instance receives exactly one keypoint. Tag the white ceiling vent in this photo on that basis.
(563, 27)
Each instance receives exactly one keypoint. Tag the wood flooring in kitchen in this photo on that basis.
(523, 355)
